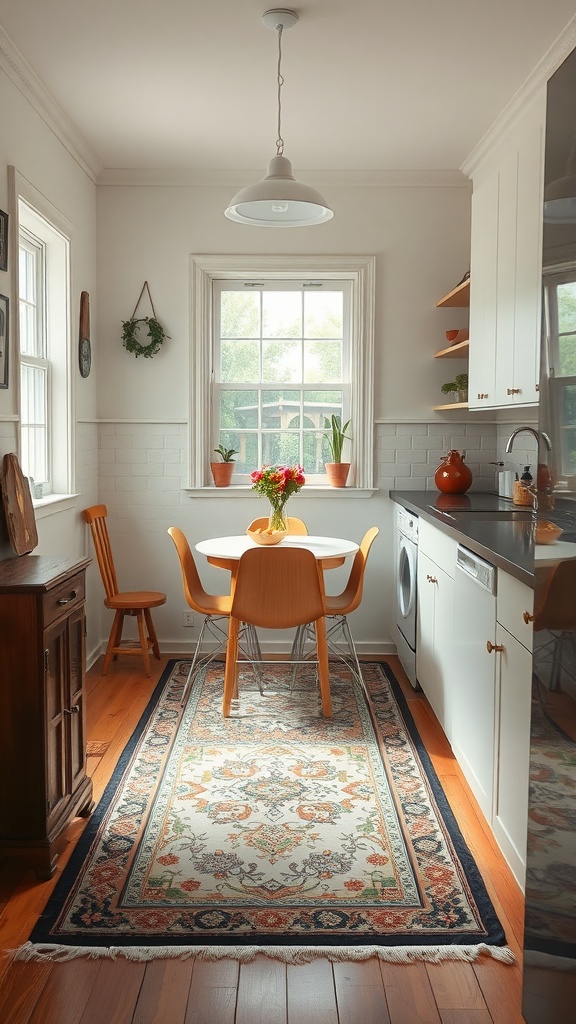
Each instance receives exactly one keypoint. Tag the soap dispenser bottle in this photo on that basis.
(526, 477)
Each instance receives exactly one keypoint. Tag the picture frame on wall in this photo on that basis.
(3, 240)
(4, 341)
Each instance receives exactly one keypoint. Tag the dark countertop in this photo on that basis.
(508, 544)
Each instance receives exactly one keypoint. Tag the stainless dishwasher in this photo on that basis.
(475, 673)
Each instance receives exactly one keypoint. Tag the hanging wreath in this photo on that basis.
(132, 327)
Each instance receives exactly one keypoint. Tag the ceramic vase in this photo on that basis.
(453, 476)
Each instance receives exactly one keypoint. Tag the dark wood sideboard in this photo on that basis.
(43, 781)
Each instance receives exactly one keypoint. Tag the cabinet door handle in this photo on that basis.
(431, 579)
(74, 710)
(513, 391)
(527, 617)
(493, 647)
(482, 395)
(66, 600)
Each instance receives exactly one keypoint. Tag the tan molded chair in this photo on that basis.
(295, 526)
(136, 602)
(277, 588)
(213, 607)
(339, 607)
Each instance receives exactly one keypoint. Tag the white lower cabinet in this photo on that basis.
(474, 663)
(435, 621)
(514, 604)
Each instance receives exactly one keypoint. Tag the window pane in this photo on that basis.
(279, 407)
(315, 452)
(280, 448)
(240, 314)
(281, 361)
(567, 349)
(323, 314)
(238, 409)
(27, 275)
(240, 361)
(28, 331)
(322, 361)
(33, 422)
(282, 314)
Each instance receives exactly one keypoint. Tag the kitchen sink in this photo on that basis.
(492, 515)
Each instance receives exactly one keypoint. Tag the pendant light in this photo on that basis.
(279, 200)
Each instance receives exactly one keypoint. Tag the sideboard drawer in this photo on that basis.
(64, 598)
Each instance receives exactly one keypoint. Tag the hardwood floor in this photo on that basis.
(264, 991)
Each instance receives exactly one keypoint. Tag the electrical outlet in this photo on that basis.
(187, 618)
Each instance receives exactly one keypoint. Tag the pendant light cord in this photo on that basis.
(280, 140)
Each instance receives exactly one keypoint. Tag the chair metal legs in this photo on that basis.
(336, 625)
(211, 624)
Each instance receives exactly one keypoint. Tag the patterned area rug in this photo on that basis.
(273, 828)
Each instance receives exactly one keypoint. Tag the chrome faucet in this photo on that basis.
(540, 436)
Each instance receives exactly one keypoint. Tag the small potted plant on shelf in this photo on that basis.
(222, 471)
(337, 471)
(457, 389)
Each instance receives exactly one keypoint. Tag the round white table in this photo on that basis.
(230, 549)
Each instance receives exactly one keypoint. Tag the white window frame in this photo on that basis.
(31, 208)
(360, 271)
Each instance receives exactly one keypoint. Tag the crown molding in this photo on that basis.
(32, 88)
(159, 178)
(526, 94)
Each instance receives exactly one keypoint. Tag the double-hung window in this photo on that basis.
(281, 369)
(560, 307)
(46, 443)
(34, 365)
(280, 344)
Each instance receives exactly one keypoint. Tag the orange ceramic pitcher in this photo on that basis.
(453, 476)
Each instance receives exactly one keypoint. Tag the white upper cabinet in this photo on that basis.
(506, 267)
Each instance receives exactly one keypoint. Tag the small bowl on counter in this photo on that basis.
(547, 532)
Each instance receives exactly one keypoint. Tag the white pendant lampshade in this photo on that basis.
(279, 200)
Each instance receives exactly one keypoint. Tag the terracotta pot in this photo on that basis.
(453, 475)
(222, 473)
(337, 473)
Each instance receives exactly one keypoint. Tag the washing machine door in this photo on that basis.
(406, 589)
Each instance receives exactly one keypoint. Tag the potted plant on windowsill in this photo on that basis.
(337, 471)
(457, 389)
(222, 471)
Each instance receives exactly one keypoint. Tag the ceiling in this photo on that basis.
(370, 85)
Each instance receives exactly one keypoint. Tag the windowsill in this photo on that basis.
(309, 491)
(53, 503)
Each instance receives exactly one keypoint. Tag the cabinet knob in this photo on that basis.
(527, 617)
(74, 710)
(514, 391)
(493, 647)
(431, 579)
(66, 600)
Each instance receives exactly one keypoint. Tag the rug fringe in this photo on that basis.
(245, 954)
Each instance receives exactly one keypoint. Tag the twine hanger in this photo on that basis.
(144, 288)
